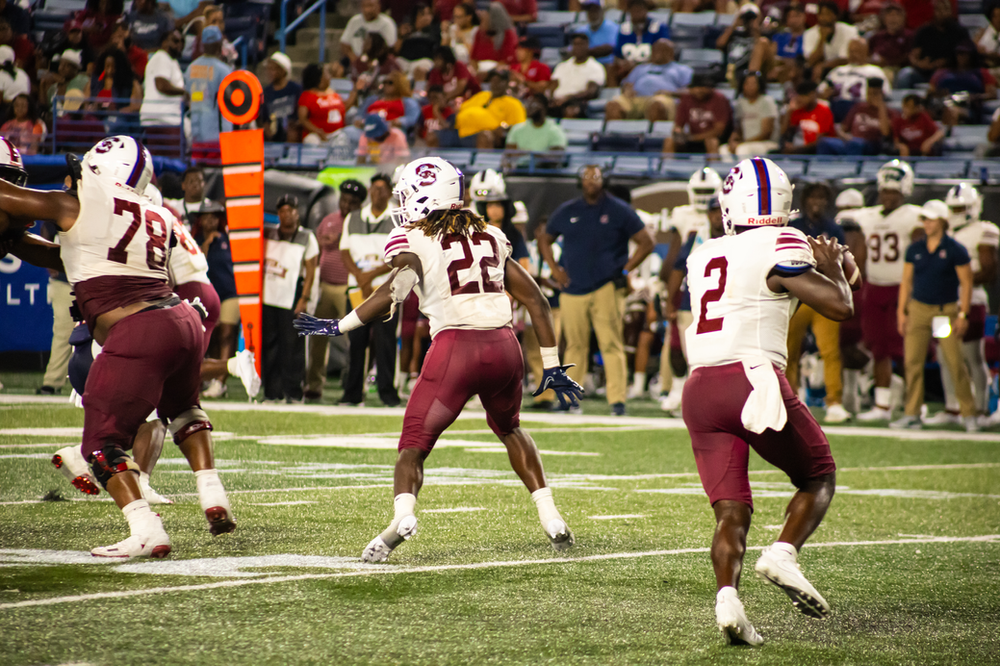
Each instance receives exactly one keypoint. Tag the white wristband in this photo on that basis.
(550, 357)
(350, 322)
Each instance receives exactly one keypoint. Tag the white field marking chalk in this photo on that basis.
(289, 503)
(876, 492)
(381, 570)
(43, 432)
(544, 452)
(359, 442)
(40, 445)
(622, 516)
(778, 527)
(457, 509)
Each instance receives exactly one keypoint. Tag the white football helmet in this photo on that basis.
(426, 185)
(965, 205)
(756, 193)
(11, 164)
(488, 185)
(153, 194)
(120, 161)
(895, 175)
(702, 186)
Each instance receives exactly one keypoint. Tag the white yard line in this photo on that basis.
(391, 570)
(457, 509)
(619, 517)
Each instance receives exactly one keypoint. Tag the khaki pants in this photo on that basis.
(827, 334)
(533, 354)
(684, 319)
(332, 305)
(604, 309)
(916, 341)
(61, 295)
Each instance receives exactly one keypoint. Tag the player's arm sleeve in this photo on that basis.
(792, 253)
(312, 247)
(961, 255)
(396, 244)
(633, 223)
(991, 236)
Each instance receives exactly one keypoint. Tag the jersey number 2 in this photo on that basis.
(471, 285)
(156, 231)
(706, 325)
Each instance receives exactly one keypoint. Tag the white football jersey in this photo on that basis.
(887, 237)
(736, 316)
(971, 236)
(187, 262)
(687, 220)
(463, 283)
(117, 233)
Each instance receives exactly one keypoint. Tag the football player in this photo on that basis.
(459, 267)
(981, 239)
(115, 256)
(889, 228)
(744, 287)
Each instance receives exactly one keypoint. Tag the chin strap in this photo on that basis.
(401, 283)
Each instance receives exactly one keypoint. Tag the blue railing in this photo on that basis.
(284, 29)
(79, 130)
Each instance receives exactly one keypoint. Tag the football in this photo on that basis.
(851, 270)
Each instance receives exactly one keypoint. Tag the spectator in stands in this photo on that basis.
(121, 40)
(376, 61)
(993, 136)
(182, 12)
(436, 115)
(362, 245)
(193, 186)
(576, 80)
(73, 40)
(487, 115)
(636, 37)
(321, 110)
(825, 44)
(850, 82)
(24, 50)
(19, 18)
(937, 284)
(601, 32)
(867, 129)
(988, 39)
(460, 33)
(370, 20)
(786, 46)
(914, 132)
(528, 73)
(214, 16)
(495, 41)
(539, 133)
(112, 85)
(394, 92)
(595, 231)
(163, 89)
(755, 122)
(417, 40)
(333, 277)
(382, 143)
(963, 86)
(933, 46)
(806, 120)
(703, 118)
(148, 25)
(921, 12)
(23, 128)
(281, 99)
(890, 46)
(739, 39)
(13, 80)
(97, 21)
(444, 10)
(521, 11)
(292, 254)
(67, 77)
(453, 76)
(647, 91)
(202, 81)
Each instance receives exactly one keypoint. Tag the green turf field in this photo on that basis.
(908, 555)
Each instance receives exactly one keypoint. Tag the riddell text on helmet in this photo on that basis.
(764, 221)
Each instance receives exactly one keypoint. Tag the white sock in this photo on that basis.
(143, 480)
(210, 490)
(138, 515)
(785, 548)
(639, 380)
(882, 397)
(403, 506)
(233, 367)
(547, 511)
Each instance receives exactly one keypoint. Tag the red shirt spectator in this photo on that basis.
(921, 12)
(914, 130)
(699, 115)
(459, 72)
(331, 261)
(390, 109)
(484, 49)
(862, 122)
(431, 122)
(534, 71)
(891, 45)
(443, 9)
(521, 11)
(814, 122)
(326, 109)
(96, 26)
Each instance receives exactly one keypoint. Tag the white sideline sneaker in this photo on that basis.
(671, 402)
(732, 619)
(216, 389)
(151, 495)
(378, 549)
(154, 543)
(635, 392)
(875, 414)
(906, 422)
(560, 535)
(943, 418)
(836, 414)
(70, 462)
(971, 423)
(246, 370)
(782, 569)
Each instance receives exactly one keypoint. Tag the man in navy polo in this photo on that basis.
(934, 300)
(595, 231)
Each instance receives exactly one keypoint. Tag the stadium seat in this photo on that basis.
(689, 30)
(65, 5)
(555, 18)
(992, 169)
(488, 159)
(550, 36)
(578, 130)
(626, 127)
(793, 168)
(50, 20)
(614, 15)
(973, 22)
(634, 165)
(460, 158)
(551, 56)
(342, 86)
(609, 93)
(577, 161)
(595, 107)
(940, 169)
(870, 167)
(661, 15)
(661, 129)
(831, 169)
(679, 169)
(273, 152)
(543, 5)
(966, 137)
(700, 57)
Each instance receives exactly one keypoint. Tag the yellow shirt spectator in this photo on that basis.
(484, 111)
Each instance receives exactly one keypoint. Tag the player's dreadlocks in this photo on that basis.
(446, 222)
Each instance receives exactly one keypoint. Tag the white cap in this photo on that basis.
(282, 61)
(73, 56)
(850, 198)
(935, 209)
(6, 55)
(749, 7)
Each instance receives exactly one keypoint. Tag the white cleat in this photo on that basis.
(215, 389)
(836, 414)
(154, 543)
(782, 569)
(671, 402)
(875, 414)
(70, 462)
(378, 549)
(246, 370)
(560, 536)
(151, 495)
(943, 418)
(732, 619)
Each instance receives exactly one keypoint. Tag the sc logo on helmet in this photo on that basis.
(427, 174)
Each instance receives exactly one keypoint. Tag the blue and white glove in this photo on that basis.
(568, 391)
(306, 324)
